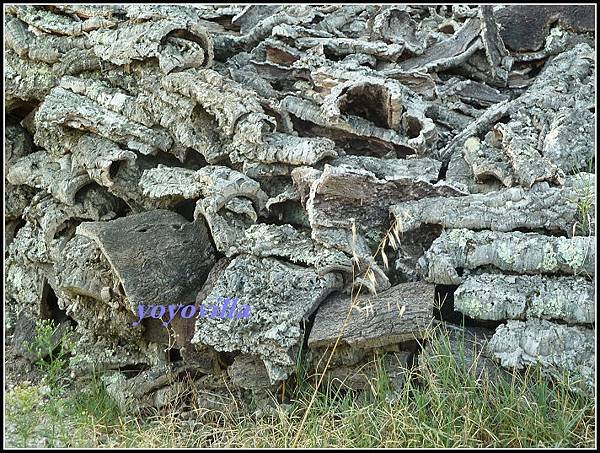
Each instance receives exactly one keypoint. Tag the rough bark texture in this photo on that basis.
(557, 348)
(401, 313)
(497, 297)
(291, 156)
(523, 253)
(542, 208)
(280, 295)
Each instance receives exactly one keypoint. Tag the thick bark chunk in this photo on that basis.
(402, 313)
(497, 297)
(159, 257)
(524, 253)
(557, 348)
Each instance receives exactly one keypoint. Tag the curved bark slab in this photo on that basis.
(557, 348)
(386, 103)
(236, 109)
(87, 285)
(26, 80)
(363, 188)
(159, 257)
(56, 177)
(450, 52)
(288, 149)
(542, 208)
(100, 158)
(352, 125)
(280, 295)
(375, 321)
(497, 297)
(43, 18)
(176, 45)
(283, 241)
(64, 115)
(523, 253)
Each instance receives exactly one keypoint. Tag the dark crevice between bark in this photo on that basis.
(49, 308)
(186, 208)
(133, 370)
(19, 111)
(174, 355)
(443, 309)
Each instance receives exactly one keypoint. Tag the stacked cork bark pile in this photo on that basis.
(426, 164)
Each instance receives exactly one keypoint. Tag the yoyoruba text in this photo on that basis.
(229, 308)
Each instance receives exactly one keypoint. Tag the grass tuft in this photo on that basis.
(442, 405)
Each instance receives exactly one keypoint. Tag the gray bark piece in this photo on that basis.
(461, 174)
(450, 52)
(563, 88)
(144, 102)
(16, 199)
(57, 177)
(159, 257)
(85, 283)
(350, 124)
(289, 193)
(386, 322)
(54, 217)
(37, 246)
(220, 187)
(97, 354)
(498, 57)
(25, 282)
(557, 348)
(18, 144)
(363, 189)
(348, 46)
(488, 161)
(542, 207)
(172, 184)
(221, 184)
(395, 25)
(236, 110)
(524, 27)
(556, 111)
(497, 297)
(525, 253)
(519, 143)
(84, 271)
(63, 114)
(386, 103)
(251, 15)
(284, 241)
(280, 295)
(289, 149)
(44, 48)
(296, 14)
(176, 45)
(26, 80)
(472, 92)
(100, 158)
(42, 18)
(569, 142)
(226, 227)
